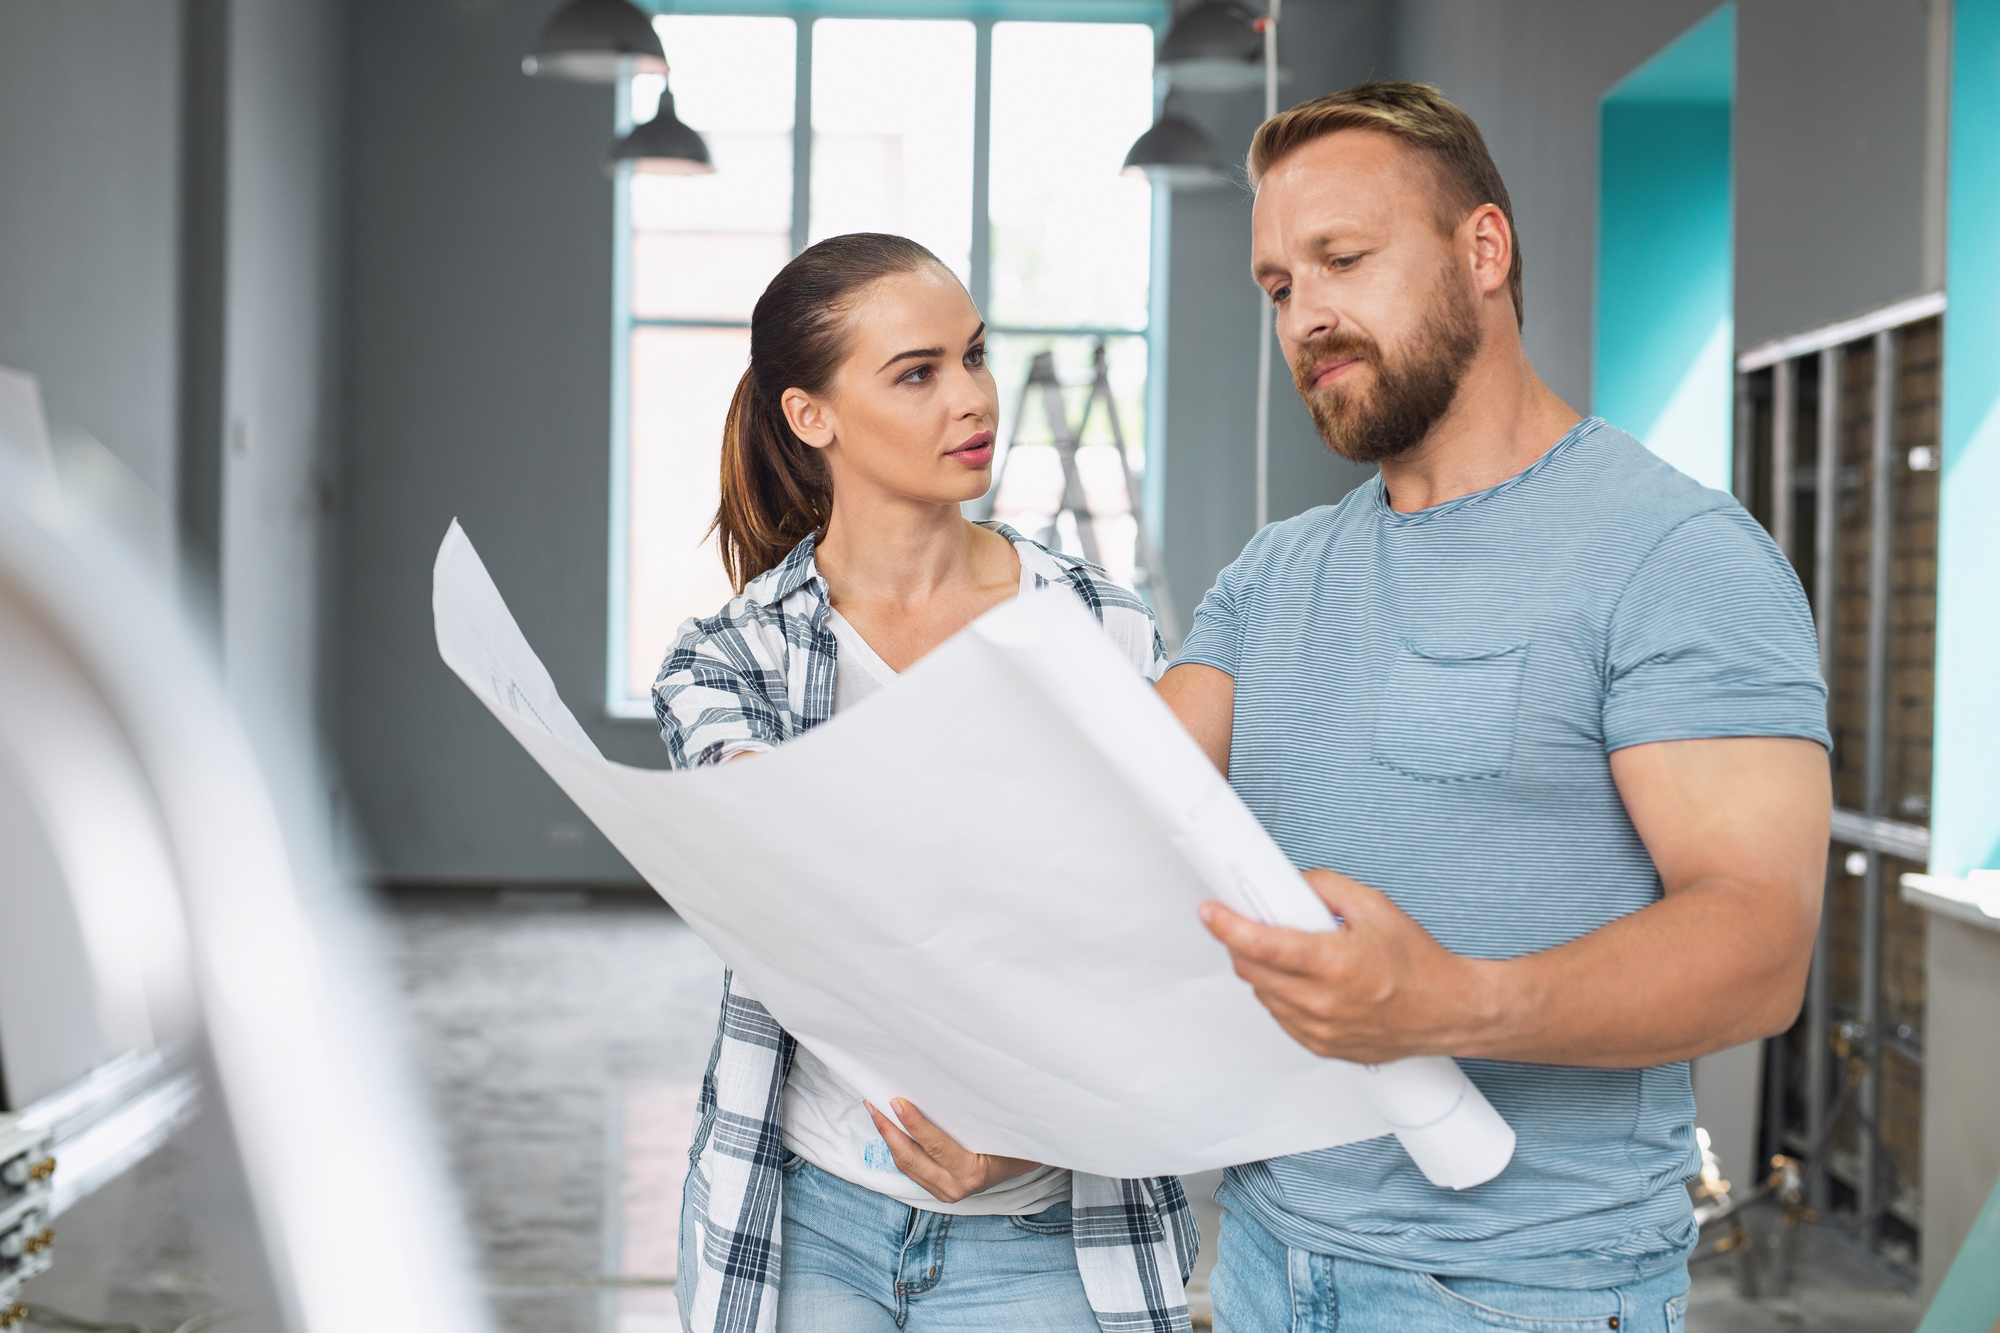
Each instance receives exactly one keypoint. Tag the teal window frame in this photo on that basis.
(982, 14)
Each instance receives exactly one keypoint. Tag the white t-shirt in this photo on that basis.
(825, 1122)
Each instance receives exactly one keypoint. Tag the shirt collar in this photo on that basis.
(1035, 558)
(794, 572)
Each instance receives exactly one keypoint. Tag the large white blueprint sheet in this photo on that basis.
(977, 890)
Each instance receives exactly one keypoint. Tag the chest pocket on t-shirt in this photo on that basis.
(1449, 717)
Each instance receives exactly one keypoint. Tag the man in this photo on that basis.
(1549, 715)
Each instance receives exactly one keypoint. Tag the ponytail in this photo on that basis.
(776, 489)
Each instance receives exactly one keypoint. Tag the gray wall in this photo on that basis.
(280, 359)
(1831, 153)
(89, 122)
(168, 212)
(478, 387)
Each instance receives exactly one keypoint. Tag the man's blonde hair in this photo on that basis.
(1421, 117)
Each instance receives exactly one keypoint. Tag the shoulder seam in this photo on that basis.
(1653, 550)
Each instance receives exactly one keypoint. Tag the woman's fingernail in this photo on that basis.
(1207, 913)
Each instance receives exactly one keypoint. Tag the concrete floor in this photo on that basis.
(562, 1037)
(1835, 1289)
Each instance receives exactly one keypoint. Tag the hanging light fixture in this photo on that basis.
(594, 41)
(1176, 152)
(664, 145)
(1215, 46)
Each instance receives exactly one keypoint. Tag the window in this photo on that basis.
(1021, 197)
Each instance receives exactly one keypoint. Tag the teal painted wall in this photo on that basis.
(1965, 820)
(1969, 1300)
(1965, 800)
(1665, 327)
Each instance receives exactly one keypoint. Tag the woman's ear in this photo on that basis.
(807, 417)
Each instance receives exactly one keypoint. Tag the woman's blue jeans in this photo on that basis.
(855, 1261)
(1262, 1285)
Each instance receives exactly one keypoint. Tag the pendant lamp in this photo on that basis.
(1214, 46)
(594, 41)
(1176, 152)
(663, 146)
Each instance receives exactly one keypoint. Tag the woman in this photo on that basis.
(865, 420)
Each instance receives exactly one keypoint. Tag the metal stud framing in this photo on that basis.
(1784, 449)
(1784, 497)
(1871, 830)
(1881, 522)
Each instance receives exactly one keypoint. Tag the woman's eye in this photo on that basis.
(917, 375)
(975, 358)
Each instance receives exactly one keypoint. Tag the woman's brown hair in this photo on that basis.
(775, 487)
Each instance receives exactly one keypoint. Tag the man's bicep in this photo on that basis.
(1204, 699)
(1753, 809)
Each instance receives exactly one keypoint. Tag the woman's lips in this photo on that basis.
(975, 452)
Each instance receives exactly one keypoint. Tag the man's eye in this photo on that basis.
(1279, 296)
(1343, 261)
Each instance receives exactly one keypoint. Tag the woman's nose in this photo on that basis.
(971, 397)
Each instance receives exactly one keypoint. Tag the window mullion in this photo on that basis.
(980, 261)
(802, 137)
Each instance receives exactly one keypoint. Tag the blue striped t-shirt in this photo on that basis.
(1428, 702)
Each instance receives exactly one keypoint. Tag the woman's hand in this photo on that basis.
(934, 1160)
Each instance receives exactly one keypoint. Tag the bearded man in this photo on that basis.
(1548, 716)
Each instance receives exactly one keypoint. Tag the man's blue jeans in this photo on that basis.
(1261, 1285)
(859, 1262)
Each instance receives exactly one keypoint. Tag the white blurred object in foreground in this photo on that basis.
(153, 899)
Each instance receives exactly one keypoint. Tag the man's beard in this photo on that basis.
(1409, 395)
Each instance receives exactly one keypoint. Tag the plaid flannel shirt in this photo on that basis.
(750, 678)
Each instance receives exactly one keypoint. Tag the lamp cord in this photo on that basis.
(1264, 314)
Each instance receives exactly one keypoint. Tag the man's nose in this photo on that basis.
(1308, 315)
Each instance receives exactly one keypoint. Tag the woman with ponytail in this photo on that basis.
(865, 420)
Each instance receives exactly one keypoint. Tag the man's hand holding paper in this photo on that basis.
(1376, 990)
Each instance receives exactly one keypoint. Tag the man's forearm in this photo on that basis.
(1713, 965)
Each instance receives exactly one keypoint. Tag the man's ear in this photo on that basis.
(808, 418)
(1492, 242)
